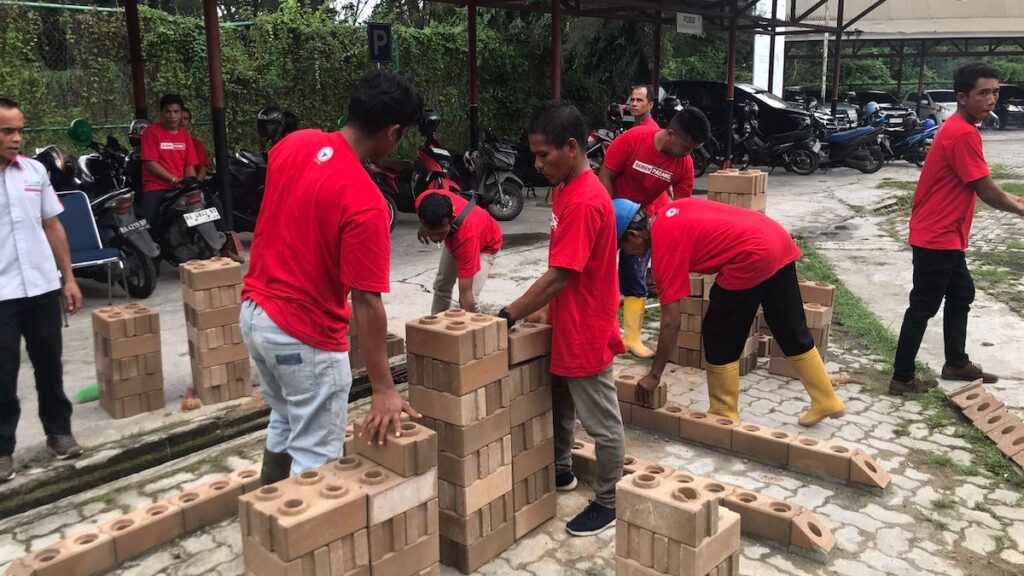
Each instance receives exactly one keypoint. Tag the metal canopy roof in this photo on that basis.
(918, 19)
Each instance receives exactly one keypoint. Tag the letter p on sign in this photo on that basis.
(380, 41)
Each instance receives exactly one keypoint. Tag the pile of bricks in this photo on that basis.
(689, 349)
(212, 291)
(395, 346)
(819, 299)
(746, 188)
(665, 526)
(459, 380)
(990, 415)
(103, 549)
(375, 513)
(129, 369)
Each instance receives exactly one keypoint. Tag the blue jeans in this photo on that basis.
(633, 275)
(306, 388)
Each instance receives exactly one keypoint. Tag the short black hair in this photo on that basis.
(434, 209)
(171, 99)
(558, 121)
(383, 98)
(693, 123)
(966, 77)
(8, 104)
(648, 89)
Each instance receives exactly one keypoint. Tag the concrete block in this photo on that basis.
(144, 529)
(818, 316)
(529, 376)
(532, 432)
(412, 453)
(681, 512)
(403, 530)
(410, 561)
(689, 340)
(461, 410)
(211, 317)
(528, 340)
(315, 512)
(456, 336)
(979, 410)
(464, 500)
(967, 395)
(535, 514)
(584, 459)
(348, 556)
(248, 477)
(532, 460)
(1009, 439)
(474, 527)
(455, 379)
(864, 470)
(133, 386)
(530, 406)
(388, 494)
(211, 273)
(464, 440)
(127, 347)
(762, 444)
(395, 345)
(996, 419)
(707, 429)
(666, 419)
(782, 367)
(84, 554)
(809, 533)
(468, 559)
(212, 298)
(208, 504)
(626, 385)
(821, 293)
(643, 553)
(763, 516)
(534, 487)
(463, 471)
(819, 457)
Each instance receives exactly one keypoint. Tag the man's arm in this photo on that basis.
(543, 291)
(201, 173)
(58, 241)
(666, 341)
(607, 177)
(386, 404)
(992, 194)
(466, 300)
(155, 168)
(190, 171)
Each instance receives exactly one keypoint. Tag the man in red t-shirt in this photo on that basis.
(641, 103)
(641, 165)
(579, 296)
(168, 156)
(324, 232)
(470, 246)
(940, 223)
(202, 166)
(754, 258)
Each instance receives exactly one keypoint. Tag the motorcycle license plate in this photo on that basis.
(816, 147)
(201, 217)
(137, 225)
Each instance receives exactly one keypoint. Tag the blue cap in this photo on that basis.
(625, 211)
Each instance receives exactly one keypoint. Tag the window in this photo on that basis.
(944, 96)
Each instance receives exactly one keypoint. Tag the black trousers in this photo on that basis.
(38, 319)
(938, 274)
(730, 314)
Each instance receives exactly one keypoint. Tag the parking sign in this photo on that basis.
(379, 36)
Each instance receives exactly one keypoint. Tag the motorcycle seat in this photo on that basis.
(786, 137)
(840, 137)
(250, 158)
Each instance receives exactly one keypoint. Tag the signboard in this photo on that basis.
(689, 23)
(379, 37)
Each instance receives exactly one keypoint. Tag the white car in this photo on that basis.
(935, 104)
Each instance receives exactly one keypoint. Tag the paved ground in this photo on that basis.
(932, 520)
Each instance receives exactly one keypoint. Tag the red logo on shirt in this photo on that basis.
(653, 171)
(554, 222)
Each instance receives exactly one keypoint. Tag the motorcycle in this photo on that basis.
(495, 187)
(186, 229)
(910, 144)
(796, 151)
(859, 148)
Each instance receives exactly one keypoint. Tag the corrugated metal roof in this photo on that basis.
(904, 19)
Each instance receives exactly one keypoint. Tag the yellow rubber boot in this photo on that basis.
(632, 320)
(724, 390)
(824, 401)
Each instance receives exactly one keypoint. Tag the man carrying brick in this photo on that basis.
(940, 224)
(323, 232)
(641, 165)
(755, 260)
(472, 238)
(580, 297)
(33, 248)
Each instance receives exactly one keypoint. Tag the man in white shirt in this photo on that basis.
(32, 249)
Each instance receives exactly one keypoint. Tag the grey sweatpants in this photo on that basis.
(448, 276)
(593, 400)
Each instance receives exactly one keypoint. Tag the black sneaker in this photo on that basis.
(594, 519)
(6, 468)
(63, 446)
(565, 482)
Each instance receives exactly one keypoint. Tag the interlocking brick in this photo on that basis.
(533, 487)
(314, 512)
(211, 317)
(462, 410)
(208, 504)
(682, 512)
(1009, 439)
(80, 555)
(968, 394)
(533, 459)
(626, 412)
(820, 457)
(818, 316)
(666, 419)
(248, 477)
(216, 337)
(464, 440)
(626, 386)
(764, 346)
(530, 406)
(222, 355)
(532, 432)
(663, 554)
(132, 386)
(388, 494)
(689, 340)
(709, 429)
(760, 443)
(713, 488)
(464, 500)
(996, 419)
(463, 471)
(144, 529)
(454, 379)
(763, 516)
(468, 559)
(475, 526)
(864, 470)
(696, 285)
(403, 530)
(126, 347)
(528, 340)
(584, 459)
(529, 376)
(213, 298)
(821, 293)
(979, 410)
(348, 556)
(456, 336)
(211, 273)
(130, 406)
(412, 453)
(810, 534)
(782, 367)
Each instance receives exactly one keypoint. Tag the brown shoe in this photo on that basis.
(898, 388)
(63, 446)
(968, 373)
(6, 468)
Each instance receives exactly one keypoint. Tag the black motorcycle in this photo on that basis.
(487, 174)
(797, 151)
(187, 229)
(860, 148)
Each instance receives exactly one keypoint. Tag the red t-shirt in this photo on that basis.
(202, 156)
(944, 200)
(650, 122)
(172, 151)
(479, 233)
(584, 322)
(742, 246)
(323, 230)
(643, 171)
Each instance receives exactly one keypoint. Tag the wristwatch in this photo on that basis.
(503, 313)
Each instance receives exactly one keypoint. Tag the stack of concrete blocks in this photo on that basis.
(990, 415)
(129, 367)
(212, 291)
(689, 342)
(371, 514)
(819, 299)
(395, 345)
(743, 188)
(667, 527)
(533, 444)
(459, 380)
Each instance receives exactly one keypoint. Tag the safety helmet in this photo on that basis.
(136, 128)
(429, 123)
(270, 123)
(626, 211)
(928, 124)
(870, 108)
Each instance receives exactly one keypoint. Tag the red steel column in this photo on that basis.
(556, 49)
(220, 130)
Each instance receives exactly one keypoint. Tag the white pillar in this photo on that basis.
(762, 49)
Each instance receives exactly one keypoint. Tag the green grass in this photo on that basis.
(937, 522)
(943, 503)
(1003, 172)
(1002, 542)
(991, 275)
(1015, 245)
(907, 185)
(1016, 188)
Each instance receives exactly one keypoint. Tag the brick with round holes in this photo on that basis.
(627, 384)
(709, 429)
(1009, 439)
(456, 336)
(762, 444)
(528, 340)
(994, 420)
(210, 273)
(80, 555)
(584, 459)
(665, 419)
(865, 471)
(967, 395)
(979, 410)
(713, 487)
(412, 453)
(808, 533)
(819, 457)
(209, 503)
(248, 477)
(144, 529)
(660, 504)
(317, 512)
(762, 515)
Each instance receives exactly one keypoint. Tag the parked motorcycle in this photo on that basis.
(187, 229)
(859, 148)
(797, 151)
(494, 185)
(910, 144)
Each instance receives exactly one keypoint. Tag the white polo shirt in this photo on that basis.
(27, 266)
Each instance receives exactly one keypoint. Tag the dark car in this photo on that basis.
(1010, 107)
(774, 114)
(803, 96)
(895, 112)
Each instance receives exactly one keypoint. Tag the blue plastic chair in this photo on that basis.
(84, 239)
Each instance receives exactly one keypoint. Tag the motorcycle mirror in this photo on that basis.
(342, 120)
(80, 132)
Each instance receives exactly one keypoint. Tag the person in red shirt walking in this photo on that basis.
(324, 232)
(641, 165)
(755, 259)
(168, 156)
(940, 223)
(579, 296)
(202, 166)
(471, 239)
(641, 103)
